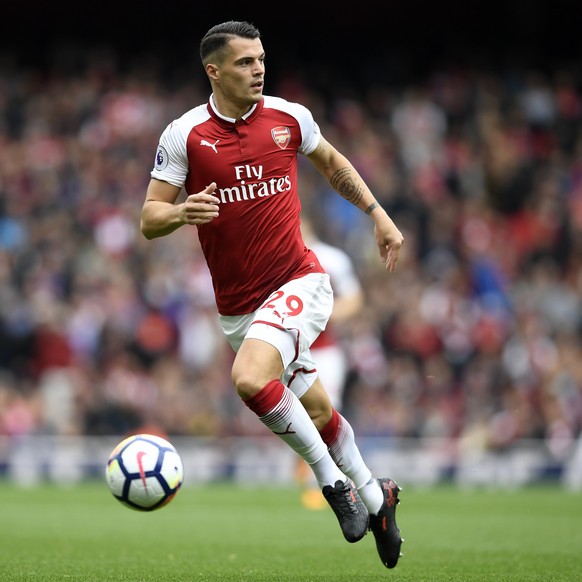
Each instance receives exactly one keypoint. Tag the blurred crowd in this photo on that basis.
(476, 337)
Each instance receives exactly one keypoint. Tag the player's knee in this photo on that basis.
(322, 418)
(251, 374)
(246, 390)
(320, 412)
(247, 385)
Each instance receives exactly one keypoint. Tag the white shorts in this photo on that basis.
(290, 320)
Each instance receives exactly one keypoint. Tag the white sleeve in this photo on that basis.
(171, 163)
(310, 132)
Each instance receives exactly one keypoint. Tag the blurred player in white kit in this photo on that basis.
(329, 354)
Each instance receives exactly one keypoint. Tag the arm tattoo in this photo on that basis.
(371, 207)
(343, 183)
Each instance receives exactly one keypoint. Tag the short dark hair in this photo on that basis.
(218, 36)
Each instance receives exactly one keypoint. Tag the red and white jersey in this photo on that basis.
(255, 245)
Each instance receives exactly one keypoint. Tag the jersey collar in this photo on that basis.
(247, 117)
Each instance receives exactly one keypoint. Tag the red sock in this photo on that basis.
(330, 431)
(266, 399)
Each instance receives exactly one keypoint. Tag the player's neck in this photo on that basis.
(226, 108)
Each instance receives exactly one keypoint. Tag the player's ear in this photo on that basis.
(212, 71)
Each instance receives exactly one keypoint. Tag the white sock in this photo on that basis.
(346, 454)
(372, 496)
(326, 472)
(288, 419)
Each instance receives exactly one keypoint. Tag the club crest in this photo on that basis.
(281, 136)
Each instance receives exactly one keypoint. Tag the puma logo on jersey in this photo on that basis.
(210, 145)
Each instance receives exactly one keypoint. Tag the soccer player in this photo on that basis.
(236, 158)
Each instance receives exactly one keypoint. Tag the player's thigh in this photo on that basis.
(256, 363)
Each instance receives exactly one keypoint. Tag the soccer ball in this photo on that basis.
(144, 472)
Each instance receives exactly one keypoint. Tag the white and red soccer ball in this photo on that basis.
(144, 472)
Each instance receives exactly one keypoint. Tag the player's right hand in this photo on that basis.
(200, 208)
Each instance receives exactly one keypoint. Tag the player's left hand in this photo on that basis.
(389, 240)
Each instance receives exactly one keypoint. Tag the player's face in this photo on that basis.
(241, 74)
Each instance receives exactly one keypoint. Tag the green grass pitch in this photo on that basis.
(233, 533)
